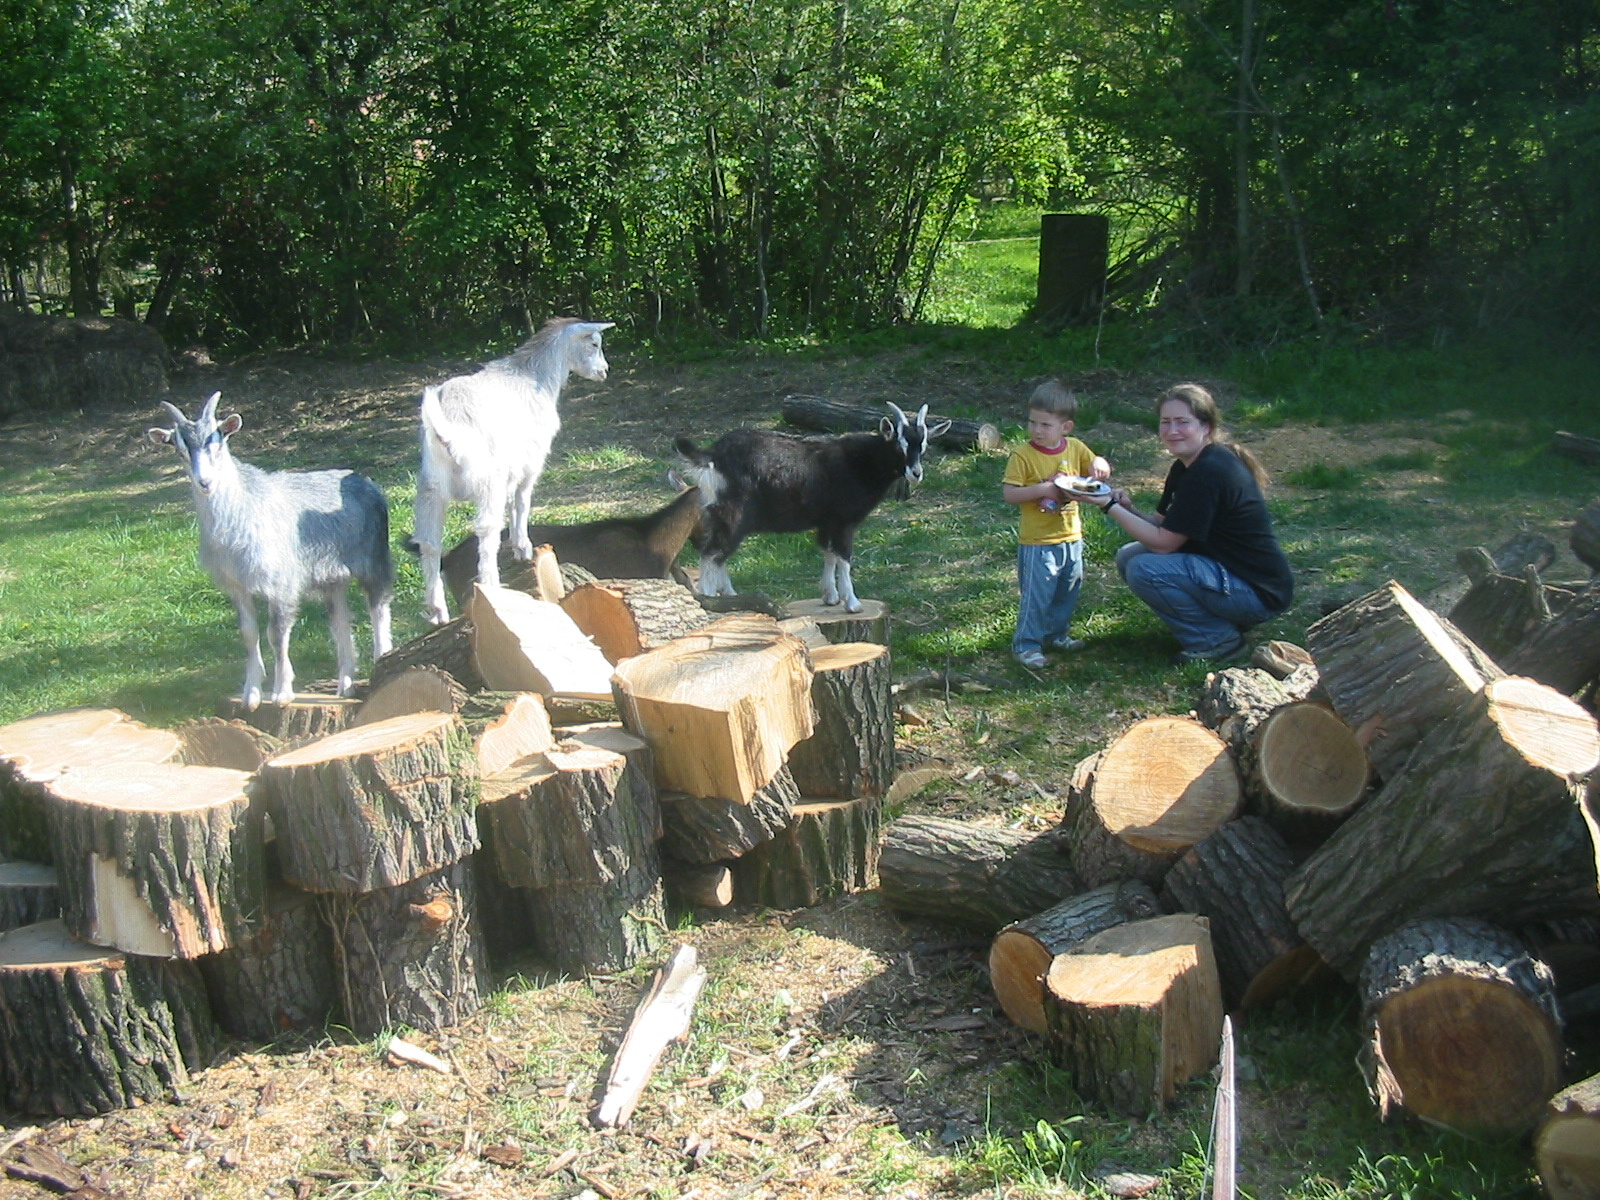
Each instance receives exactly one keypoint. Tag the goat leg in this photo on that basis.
(280, 624)
(429, 520)
(343, 630)
(250, 633)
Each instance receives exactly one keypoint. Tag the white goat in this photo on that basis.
(282, 535)
(485, 438)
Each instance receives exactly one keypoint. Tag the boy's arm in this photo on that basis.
(1025, 493)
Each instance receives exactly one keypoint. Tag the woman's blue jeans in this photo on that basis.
(1049, 579)
(1202, 603)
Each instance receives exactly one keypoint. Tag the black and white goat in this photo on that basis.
(759, 481)
(280, 536)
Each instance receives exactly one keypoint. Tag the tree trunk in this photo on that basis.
(1585, 541)
(850, 752)
(1486, 820)
(375, 806)
(594, 929)
(826, 849)
(1023, 951)
(1135, 1010)
(629, 616)
(158, 859)
(1462, 1025)
(1234, 701)
(281, 981)
(1566, 1148)
(449, 647)
(871, 624)
(28, 894)
(1163, 785)
(832, 416)
(1305, 771)
(215, 742)
(978, 876)
(87, 1030)
(697, 829)
(410, 955)
(1387, 660)
(1564, 652)
(303, 719)
(1235, 879)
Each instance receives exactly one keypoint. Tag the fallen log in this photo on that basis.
(1462, 1027)
(449, 648)
(832, 416)
(827, 848)
(1566, 1146)
(850, 752)
(663, 1017)
(625, 617)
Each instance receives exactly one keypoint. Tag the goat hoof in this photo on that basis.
(283, 697)
(251, 700)
(435, 616)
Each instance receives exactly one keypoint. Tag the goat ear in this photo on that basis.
(597, 326)
(230, 424)
(159, 437)
(936, 429)
(887, 426)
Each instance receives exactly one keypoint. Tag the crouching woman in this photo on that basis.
(1207, 560)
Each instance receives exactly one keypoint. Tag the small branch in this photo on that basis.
(661, 1018)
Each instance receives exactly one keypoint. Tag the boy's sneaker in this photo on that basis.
(1033, 659)
(1066, 643)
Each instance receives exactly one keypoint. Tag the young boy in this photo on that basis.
(1049, 535)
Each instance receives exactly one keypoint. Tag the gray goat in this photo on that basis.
(280, 536)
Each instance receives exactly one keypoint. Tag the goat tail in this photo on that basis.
(434, 422)
(699, 469)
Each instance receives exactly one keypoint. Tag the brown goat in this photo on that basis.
(614, 548)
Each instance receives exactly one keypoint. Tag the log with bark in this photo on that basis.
(1564, 651)
(708, 829)
(1485, 820)
(1462, 1027)
(216, 742)
(449, 648)
(871, 624)
(828, 847)
(625, 617)
(1235, 878)
(375, 806)
(86, 1030)
(978, 876)
(1305, 771)
(690, 886)
(283, 979)
(588, 929)
(1161, 786)
(1394, 670)
(1585, 537)
(1516, 554)
(527, 645)
(410, 955)
(309, 716)
(1570, 946)
(413, 690)
(158, 859)
(1022, 952)
(720, 708)
(36, 750)
(1499, 612)
(1135, 1010)
(850, 752)
(1579, 447)
(832, 416)
(1234, 701)
(1566, 1145)
(661, 1018)
(28, 894)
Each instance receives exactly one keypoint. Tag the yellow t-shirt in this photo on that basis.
(1029, 465)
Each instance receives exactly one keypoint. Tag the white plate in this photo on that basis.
(1084, 487)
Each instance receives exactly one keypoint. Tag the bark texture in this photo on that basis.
(826, 849)
(282, 980)
(850, 752)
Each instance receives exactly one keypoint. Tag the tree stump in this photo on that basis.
(834, 416)
(721, 708)
(306, 718)
(699, 829)
(1463, 1027)
(1485, 820)
(280, 981)
(827, 848)
(413, 690)
(410, 955)
(506, 727)
(87, 1030)
(527, 645)
(850, 752)
(1135, 1010)
(36, 750)
(375, 806)
(214, 742)
(1585, 539)
(28, 894)
(1022, 952)
(1161, 786)
(629, 616)
(593, 929)
(158, 859)
(1305, 771)
(1566, 1147)
(449, 648)
(1235, 879)
(1564, 652)
(977, 876)
(871, 624)
(1386, 659)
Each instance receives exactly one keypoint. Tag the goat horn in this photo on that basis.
(899, 412)
(922, 415)
(177, 413)
(210, 410)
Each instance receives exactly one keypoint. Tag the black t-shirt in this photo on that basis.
(1216, 503)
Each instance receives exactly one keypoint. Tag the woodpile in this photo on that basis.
(536, 776)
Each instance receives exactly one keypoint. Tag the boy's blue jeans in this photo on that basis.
(1207, 607)
(1049, 579)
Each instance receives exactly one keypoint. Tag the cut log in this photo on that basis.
(978, 876)
(1564, 652)
(1521, 550)
(662, 1018)
(1161, 786)
(1577, 446)
(1022, 952)
(158, 859)
(28, 894)
(1462, 1027)
(1388, 660)
(413, 690)
(850, 752)
(1234, 701)
(1280, 659)
(283, 979)
(1499, 612)
(696, 885)
(306, 718)
(527, 645)
(700, 829)
(214, 742)
(506, 727)
(1566, 1146)
(828, 848)
(625, 617)
(375, 806)
(594, 929)
(871, 624)
(410, 955)
(1235, 878)
(1585, 539)
(1305, 771)
(1571, 948)
(1485, 820)
(36, 750)
(87, 1030)
(721, 707)
(449, 648)
(833, 416)
(1136, 1010)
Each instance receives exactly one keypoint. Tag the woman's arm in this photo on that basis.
(1146, 530)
